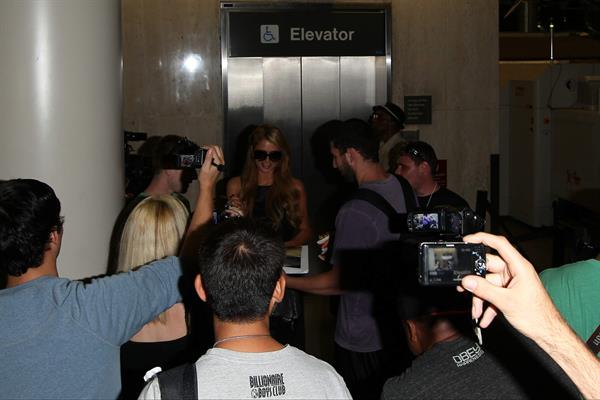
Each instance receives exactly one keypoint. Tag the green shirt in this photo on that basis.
(575, 290)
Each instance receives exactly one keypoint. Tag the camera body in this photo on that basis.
(445, 221)
(442, 257)
(446, 263)
(192, 158)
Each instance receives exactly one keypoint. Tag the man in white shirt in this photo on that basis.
(241, 279)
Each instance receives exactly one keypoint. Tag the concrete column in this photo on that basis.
(60, 115)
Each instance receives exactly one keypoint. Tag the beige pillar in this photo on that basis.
(60, 115)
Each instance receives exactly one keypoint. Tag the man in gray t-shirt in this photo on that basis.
(361, 230)
(241, 279)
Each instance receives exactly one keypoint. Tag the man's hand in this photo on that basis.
(512, 286)
(209, 173)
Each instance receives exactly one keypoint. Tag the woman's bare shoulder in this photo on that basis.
(297, 183)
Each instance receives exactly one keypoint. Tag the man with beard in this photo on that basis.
(361, 230)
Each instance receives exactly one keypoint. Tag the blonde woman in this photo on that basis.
(154, 230)
(267, 190)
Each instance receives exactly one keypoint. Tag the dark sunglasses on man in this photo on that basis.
(262, 155)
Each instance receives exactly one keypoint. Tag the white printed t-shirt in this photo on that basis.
(288, 373)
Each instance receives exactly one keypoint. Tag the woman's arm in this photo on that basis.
(304, 230)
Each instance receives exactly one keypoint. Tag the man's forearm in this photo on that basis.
(204, 208)
(202, 215)
(326, 283)
(573, 356)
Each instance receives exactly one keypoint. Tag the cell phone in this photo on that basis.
(446, 263)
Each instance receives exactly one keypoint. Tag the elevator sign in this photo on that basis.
(307, 33)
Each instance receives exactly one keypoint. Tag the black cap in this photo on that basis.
(394, 111)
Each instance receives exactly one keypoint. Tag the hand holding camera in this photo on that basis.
(512, 286)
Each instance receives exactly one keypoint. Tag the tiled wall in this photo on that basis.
(444, 48)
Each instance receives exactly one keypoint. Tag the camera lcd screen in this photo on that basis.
(445, 263)
(426, 222)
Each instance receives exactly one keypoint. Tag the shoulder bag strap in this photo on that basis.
(179, 382)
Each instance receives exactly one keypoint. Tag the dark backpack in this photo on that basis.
(179, 382)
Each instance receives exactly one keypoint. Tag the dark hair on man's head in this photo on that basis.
(240, 263)
(170, 145)
(431, 304)
(29, 212)
(420, 151)
(356, 133)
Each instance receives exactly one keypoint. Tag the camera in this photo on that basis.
(445, 221)
(188, 155)
(446, 263)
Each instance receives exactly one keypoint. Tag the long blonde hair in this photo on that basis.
(153, 230)
(283, 198)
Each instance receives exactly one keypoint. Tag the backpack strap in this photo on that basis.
(179, 382)
(376, 200)
(397, 220)
(410, 199)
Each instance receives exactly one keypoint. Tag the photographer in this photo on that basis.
(418, 163)
(167, 180)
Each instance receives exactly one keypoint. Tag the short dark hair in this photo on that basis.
(357, 134)
(420, 151)
(431, 304)
(170, 145)
(240, 262)
(29, 212)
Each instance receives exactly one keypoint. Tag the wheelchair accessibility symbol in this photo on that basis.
(269, 34)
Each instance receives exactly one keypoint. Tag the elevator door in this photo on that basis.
(298, 94)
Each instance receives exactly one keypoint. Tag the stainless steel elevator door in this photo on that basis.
(298, 94)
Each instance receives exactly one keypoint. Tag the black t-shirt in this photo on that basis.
(442, 197)
(459, 369)
(137, 358)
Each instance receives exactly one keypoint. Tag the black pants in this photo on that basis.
(364, 373)
(287, 320)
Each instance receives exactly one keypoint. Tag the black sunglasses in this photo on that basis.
(262, 155)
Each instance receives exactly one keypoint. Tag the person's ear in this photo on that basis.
(350, 155)
(199, 288)
(54, 236)
(54, 239)
(279, 290)
(411, 331)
